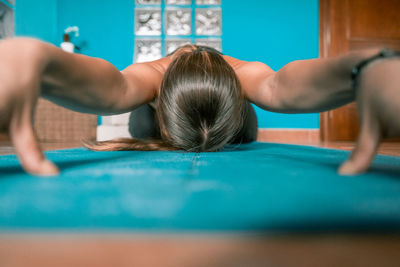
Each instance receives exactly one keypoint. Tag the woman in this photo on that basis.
(199, 106)
(202, 97)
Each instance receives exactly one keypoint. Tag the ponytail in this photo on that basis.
(123, 144)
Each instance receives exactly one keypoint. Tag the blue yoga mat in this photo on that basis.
(252, 187)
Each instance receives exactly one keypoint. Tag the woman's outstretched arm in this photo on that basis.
(322, 84)
(303, 86)
(93, 85)
(30, 68)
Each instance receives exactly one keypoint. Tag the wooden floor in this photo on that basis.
(203, 249)
(209, 250)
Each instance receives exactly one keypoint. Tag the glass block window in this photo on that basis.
(208, 2)
(208, 21)
(161, 26)
(178, 21)
(148, 21)
(148, 2)
(147, 50)
(6, 19)
(211, 42)
(172, 44)
(178, 2)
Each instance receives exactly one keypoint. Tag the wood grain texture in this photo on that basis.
(189, 250)
(57, 124)
(289, 136)
(347, 25)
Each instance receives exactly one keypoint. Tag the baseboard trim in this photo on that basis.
(298, 136)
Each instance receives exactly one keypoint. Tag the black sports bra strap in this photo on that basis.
(355, 73)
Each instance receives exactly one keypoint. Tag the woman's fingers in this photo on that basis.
(26, 145)
(365, 149)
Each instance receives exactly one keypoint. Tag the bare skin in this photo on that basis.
(31, 68)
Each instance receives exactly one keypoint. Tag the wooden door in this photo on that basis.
(347, 25)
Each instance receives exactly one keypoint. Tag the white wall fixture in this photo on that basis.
(6, 21)
(67, 45)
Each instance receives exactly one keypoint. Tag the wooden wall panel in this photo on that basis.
(56, 124)
(347, 25)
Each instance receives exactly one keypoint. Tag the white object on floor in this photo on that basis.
(108, 132)
(121, 119)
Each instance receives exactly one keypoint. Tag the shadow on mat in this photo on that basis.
(377, 169)
(65, 164)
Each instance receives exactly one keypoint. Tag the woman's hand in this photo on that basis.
(21, 66)
(378, 101)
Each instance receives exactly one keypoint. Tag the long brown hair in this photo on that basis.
(200, 106)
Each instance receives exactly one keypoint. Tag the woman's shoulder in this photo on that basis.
(234, 62)
(238, 64)
(252, 75)
(160, 65)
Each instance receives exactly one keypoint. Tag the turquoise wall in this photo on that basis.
(106, 28)
(37, 19)
(273, 32)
